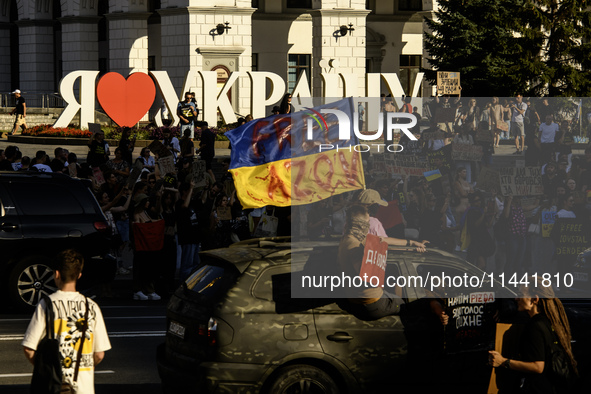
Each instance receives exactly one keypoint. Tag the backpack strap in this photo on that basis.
(49, 317)
(79, 356)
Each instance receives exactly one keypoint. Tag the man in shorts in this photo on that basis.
(517, 122)
(21, 112)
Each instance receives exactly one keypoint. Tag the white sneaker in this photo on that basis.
(140, 296)
(153, 297)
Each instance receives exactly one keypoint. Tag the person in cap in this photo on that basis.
(372, 200)
(364, 302)
(20, 110)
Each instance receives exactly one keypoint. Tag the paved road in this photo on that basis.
(135, 329)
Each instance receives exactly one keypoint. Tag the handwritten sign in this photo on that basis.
(470, 325)
(411, 148)
(525, 181)
(166, 165)
(159, 149)
(198, 173)
(440, 159)
(224, 213)
(135, 173)
(448, 82)
(548, 220)
(571, 237)
(375, 255)
(433, 135)
(406, 165)
(466, 152)
(488, 179)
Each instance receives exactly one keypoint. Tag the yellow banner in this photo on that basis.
(299, 180)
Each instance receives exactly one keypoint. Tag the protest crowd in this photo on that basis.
(441, 190)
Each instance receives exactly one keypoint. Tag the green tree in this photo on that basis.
(554, 48)
(506, 47)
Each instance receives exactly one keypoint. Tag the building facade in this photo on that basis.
(43, 40)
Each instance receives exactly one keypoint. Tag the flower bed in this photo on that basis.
(63, 132)
(114, 133)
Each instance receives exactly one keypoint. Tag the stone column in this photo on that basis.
(36, 55)
(5, 74)
(128, 42)
(347, 52)
(79, 43)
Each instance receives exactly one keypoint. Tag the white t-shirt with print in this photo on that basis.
(69, 308)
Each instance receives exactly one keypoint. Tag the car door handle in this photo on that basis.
(8, 226)
(339, 337)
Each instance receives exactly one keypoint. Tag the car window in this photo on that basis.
(212, 281)
(48, 199)
(263, 287)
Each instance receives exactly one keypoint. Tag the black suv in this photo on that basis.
(42, 214)
(234, 327)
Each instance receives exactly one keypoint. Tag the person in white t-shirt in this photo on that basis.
(41, 162)
(548, 132)
(566, 204)
(69, 308)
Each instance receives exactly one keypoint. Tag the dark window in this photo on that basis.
(299, 3)
(103, 65)
(410, 5)
(48, 199)
(255, 4)
(212, 281)
(296, 65)
(410, 66)
(255, 62)
(151, 63)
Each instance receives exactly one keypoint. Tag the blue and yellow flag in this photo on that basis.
(298, 158)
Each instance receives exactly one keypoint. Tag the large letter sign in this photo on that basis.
(86, 104)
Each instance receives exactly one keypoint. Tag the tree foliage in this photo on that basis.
(505, 47)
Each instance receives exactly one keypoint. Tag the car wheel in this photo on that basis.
(299, 379)
(30, 279)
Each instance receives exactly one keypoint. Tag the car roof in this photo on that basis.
(25, 175)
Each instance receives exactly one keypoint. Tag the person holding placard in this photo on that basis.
(365, 303)
(548, 324)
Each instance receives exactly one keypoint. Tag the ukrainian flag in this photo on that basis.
(295, 159)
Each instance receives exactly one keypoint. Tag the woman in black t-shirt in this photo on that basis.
(548, 323)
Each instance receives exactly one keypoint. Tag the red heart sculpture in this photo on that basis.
(126, 101)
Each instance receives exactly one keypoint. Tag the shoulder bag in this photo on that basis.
(47, 373)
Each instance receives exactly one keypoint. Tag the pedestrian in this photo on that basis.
(360, 113)
(58, 164)
(41, 162)
(286, 107)
(20, 110)
(171, 143)
(147, 160)
(187, 112)
(70, 308)
(8, 158)
(548, 133)
(518, 123)
(98, 152)
(187, 224)
(548, 324)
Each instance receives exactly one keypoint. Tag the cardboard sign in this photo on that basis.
(466, 152)
(94, 128)
(159, 149)
(411, 148)
(98, 175)
(375, 255)
(484, 136)
(198, 173)
(448, 82)
(136, 171)
(406, 165)
(224, 213)
(440, 159)
(433, 135)
(548, 220)
(488, 179)
(525, 181)
(166, 165)
(571, 237)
